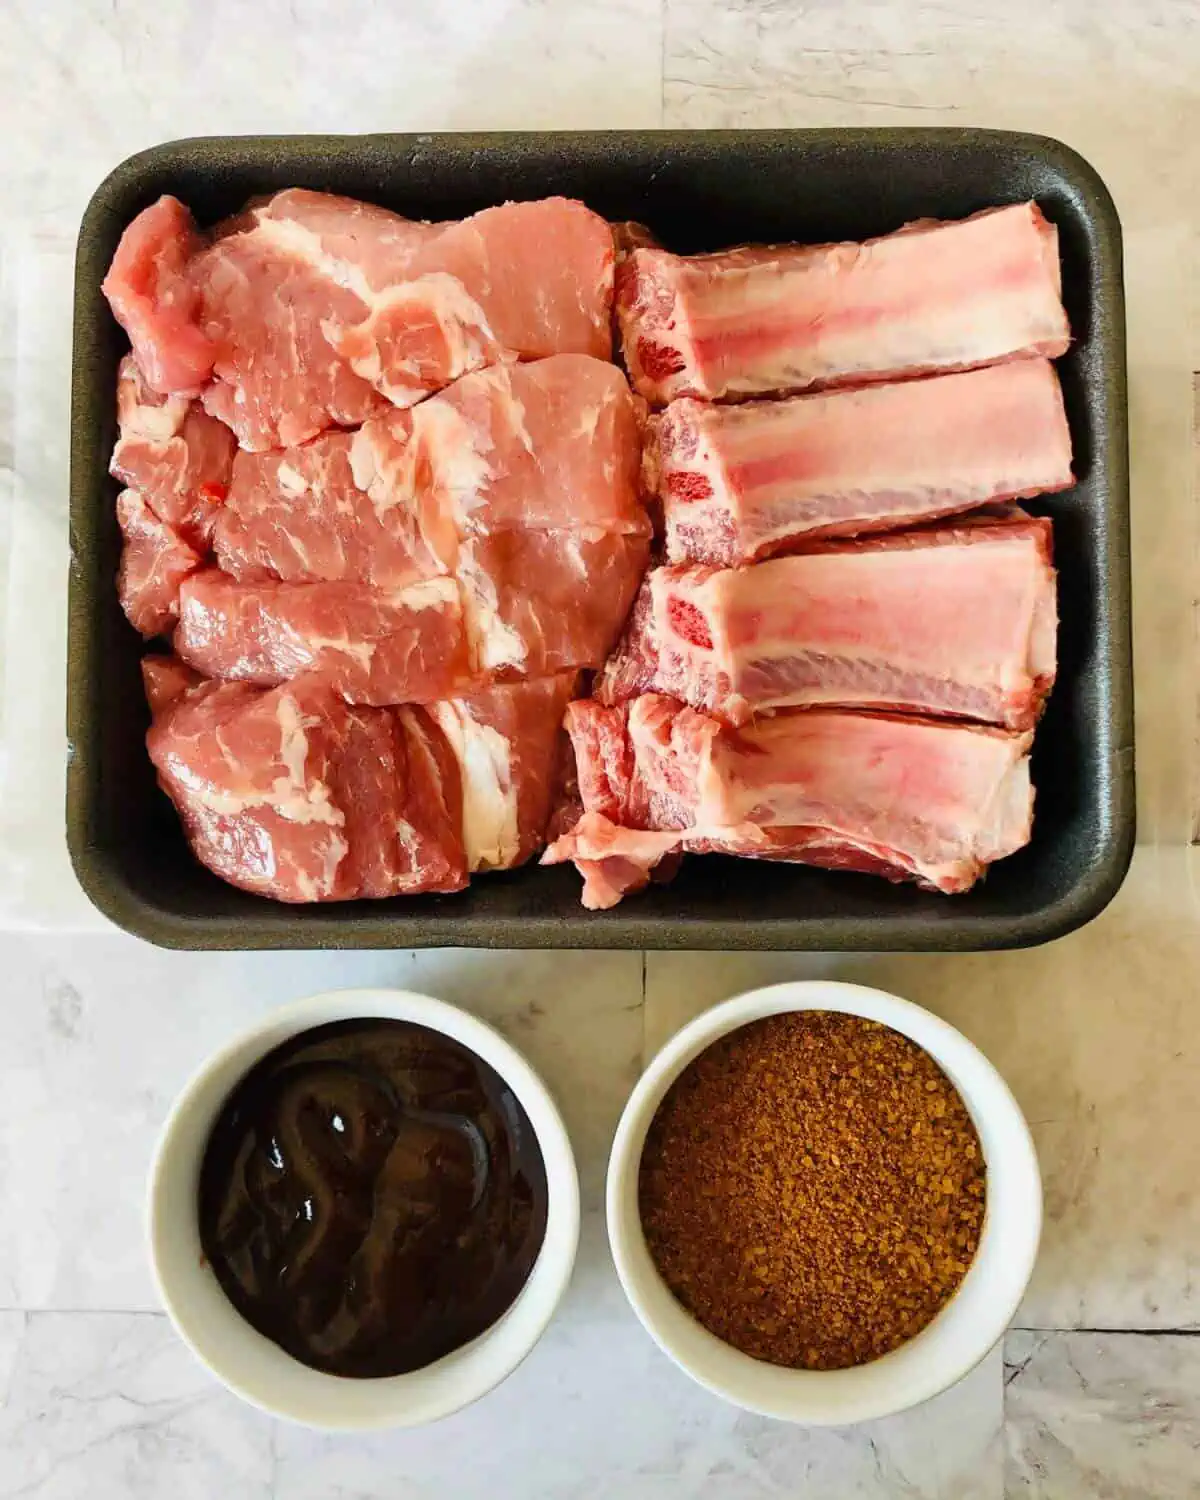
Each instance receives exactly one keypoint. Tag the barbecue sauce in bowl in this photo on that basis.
(372, 1197)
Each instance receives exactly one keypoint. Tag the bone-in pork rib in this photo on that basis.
(759, 320)
(905, 798)
(739, 483)
(959, 620)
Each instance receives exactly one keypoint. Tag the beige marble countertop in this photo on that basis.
(1097, 1391)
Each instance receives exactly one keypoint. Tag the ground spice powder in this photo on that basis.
(812, 1189)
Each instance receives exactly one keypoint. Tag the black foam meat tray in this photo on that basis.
(696, 191)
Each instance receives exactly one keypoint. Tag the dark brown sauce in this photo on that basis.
(372, 1197)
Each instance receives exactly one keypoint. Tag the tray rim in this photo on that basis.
(363, 924)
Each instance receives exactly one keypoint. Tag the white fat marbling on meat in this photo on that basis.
(293, 742)
(457, 452)
(407, 839)
(435, 297)
(290, 480)
(154, 424)
(289, 795)
(370, 367)
(318, 888)
(382, 465)
(493, 643)
(470, 341)
(512, 407)
(299, 550)
(360, 652)
(491, 831)
(295, 239)
(371, 473)
(429, 593)
(586, 424)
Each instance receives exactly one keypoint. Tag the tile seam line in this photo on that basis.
(1187, 1331)
(642, 1058)
(85, 1312)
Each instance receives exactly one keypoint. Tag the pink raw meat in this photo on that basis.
(520, 281)
(250, 774)
(165, 679)
(274, 283)
(521, 482)
(739, 483)
(613, 860)
(401, 792)
(154, 562)
(155, 300)
(372, 646)
(320, 307)
(550, 445)
(297, 514)
(291, 794)
(173, 453)
(506, 740)
(959, 620)
(537, 602)
(637, 779)
(905, 798)
(264, 306)
(756, 321)
(431, 851)
(606, 776)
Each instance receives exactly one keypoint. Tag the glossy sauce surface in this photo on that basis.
(372, 1197)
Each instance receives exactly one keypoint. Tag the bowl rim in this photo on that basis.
(252, 1366)
(926, 1364)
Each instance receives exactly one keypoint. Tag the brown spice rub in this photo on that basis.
(812, 1189)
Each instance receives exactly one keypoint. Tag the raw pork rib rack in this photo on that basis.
(385, 495)
(763, 700)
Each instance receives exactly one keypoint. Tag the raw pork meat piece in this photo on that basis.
(319, 307)
(522, 482)
(613, 860)
(155, 300)
(309, 310)
(154, 562)
(276, 379)
(739, 483)
(551, 445)
(904, 798)
(756, 321)
(537, 602)
(165, 679)
(928, 801)
(173, 453)
(296, 514)
(507, 742)
(400, 789)
(372, 646)
(250, 774)
(521, 281)
(960, 620)
(292, 794)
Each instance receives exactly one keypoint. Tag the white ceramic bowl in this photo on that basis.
(251, 1365)
(966, 1328)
